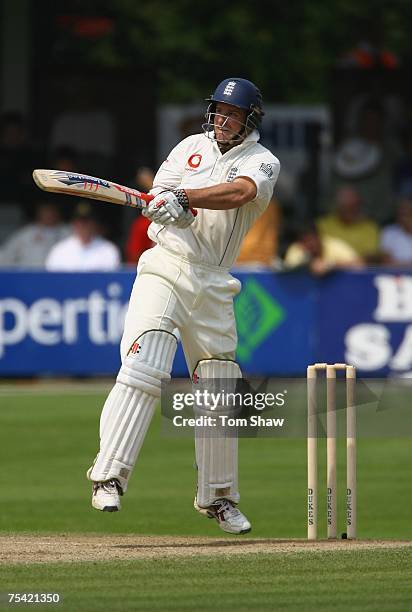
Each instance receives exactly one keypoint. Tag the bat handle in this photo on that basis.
(146, 197)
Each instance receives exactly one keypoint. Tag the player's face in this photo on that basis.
(228, 121)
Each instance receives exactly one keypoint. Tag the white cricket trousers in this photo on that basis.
(171, 292)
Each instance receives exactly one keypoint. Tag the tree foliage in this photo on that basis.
(288, 48)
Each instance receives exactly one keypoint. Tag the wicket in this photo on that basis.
(331, 483)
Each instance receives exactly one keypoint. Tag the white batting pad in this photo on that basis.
(130, 406)
(216, 451)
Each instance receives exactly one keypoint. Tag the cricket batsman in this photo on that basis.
(184, 283)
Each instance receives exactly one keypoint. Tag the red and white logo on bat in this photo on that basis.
(194, 160)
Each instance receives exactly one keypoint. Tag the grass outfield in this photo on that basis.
(379, 580)
(47, 443)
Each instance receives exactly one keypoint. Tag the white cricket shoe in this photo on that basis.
(229, 517)
(106, 496)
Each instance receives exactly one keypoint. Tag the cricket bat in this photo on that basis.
(85, 186)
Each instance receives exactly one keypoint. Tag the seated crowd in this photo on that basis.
(65, 235)
(346, 238)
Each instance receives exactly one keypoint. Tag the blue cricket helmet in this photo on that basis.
(241, 93)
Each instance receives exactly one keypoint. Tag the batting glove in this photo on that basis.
(170, 208)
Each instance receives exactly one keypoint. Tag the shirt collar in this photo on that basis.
(252, 137)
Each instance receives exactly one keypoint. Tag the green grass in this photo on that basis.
(379, 580)
(47, 443)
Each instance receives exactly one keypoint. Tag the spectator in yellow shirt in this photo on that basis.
(348, 224)
(320, 254)
(260, 245)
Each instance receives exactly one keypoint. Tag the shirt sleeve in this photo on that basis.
(263, 169)
(170, 173)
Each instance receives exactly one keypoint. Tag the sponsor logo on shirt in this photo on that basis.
(267, 169)
(232, 174)
(194, 161)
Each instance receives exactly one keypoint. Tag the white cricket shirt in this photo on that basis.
(216, 235)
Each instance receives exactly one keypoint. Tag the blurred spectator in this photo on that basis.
(17, 160)
(84, 250)
(89, 128)
(320, 254)
(64, 158)
(135, 228)
(348, 224)
(396, 239)
(138, 240)
(368, 55)
(365, 160)
(402, 176)
(260, 245)
(143, 179)
(29, 246)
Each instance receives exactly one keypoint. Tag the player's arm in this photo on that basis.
(179, 206)
(255, 181)
(224, 196)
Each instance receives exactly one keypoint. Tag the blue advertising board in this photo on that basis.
(61, 323)
(71, 324)
(66, 323)
(275, 316)
(365, 318)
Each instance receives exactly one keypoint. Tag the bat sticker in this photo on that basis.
(88, 182)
